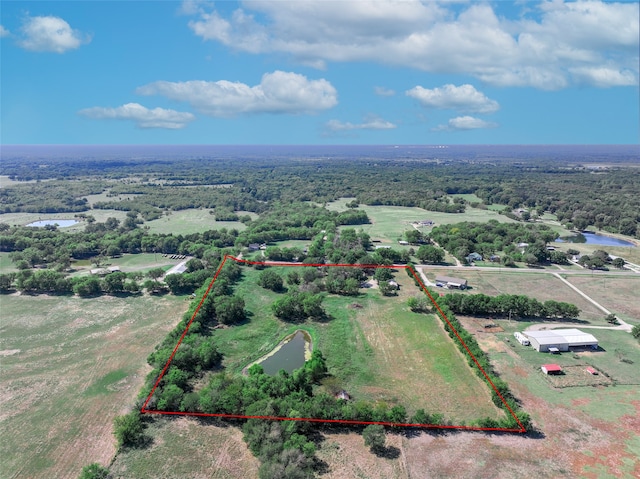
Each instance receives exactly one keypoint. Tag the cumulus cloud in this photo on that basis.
(372, 123)
(4, 32)
(142, 116)
(550, 47)
(381, 91)
(451, 97)
(278, 92)
(50, 34)
(465, 123)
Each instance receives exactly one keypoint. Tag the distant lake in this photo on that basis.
(594, 238)
(60, 223)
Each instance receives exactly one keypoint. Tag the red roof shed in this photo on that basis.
(591, 370)
(551, 369)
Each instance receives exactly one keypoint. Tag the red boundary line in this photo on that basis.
(144, 409)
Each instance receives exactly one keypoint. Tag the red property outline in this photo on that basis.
(144, 409)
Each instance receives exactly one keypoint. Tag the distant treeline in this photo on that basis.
(607, 199)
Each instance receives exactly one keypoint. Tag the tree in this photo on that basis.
(635, 332)
(430, 254)
(128, 430)
(618, 263)
(413, 236)
(386, 288)
(94, 471)
(383, 274)
(374, 437)
(611, 318)
(229, 309)
(269, 279)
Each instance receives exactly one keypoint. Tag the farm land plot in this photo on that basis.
(620, 295)
(542, 286)
(69, 366)
(375, 347)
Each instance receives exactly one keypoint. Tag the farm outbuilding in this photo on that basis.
(450, 282)
(551, 369)
(560, 339)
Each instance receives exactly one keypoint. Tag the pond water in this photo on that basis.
(289, 357)
(594, 238)
(60, 223)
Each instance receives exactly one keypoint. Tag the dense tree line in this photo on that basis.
(520, 306)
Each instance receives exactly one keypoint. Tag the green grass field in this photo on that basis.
(69, 366)
(193, 221)
(388, 223)
(380, 351)
(617, 294)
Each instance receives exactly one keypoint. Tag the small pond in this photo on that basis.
(288, 355)
(60, 223)
(594, 238)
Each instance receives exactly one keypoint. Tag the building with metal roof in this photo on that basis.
(561, 339)
(450, 282)
(551, 369)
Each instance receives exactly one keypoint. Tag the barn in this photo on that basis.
(561, 340)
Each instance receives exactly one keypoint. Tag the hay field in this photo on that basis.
(68, 367)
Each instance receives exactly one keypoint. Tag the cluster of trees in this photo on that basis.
(40, 246)
(197, 351)
(296, 306)
(520, 306)
(461, 239)
(599, 259)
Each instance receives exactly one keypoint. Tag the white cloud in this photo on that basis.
(381, 91)
(435, 37)
(278, 92)
(451, 97)
(4, 32)
(465, 123)
(50, 34)
(142, 116)
(372, 123)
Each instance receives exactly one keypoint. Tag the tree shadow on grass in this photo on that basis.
(387, 452)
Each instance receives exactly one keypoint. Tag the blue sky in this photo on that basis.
(319, 72)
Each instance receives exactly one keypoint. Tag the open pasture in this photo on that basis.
(193, 221)
(69, 366)
(542, 286)
(388, 223)
(620, 295)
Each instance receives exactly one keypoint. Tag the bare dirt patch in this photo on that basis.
(577, 376)
(9, 352)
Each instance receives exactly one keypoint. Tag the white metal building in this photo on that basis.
(562, 339)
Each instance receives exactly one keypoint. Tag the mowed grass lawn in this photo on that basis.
(68, 367)
(380, 351)
(193, 221)
(388, 223)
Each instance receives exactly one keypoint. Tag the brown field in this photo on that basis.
(618, 294)
(71, 366)
(188, 448)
